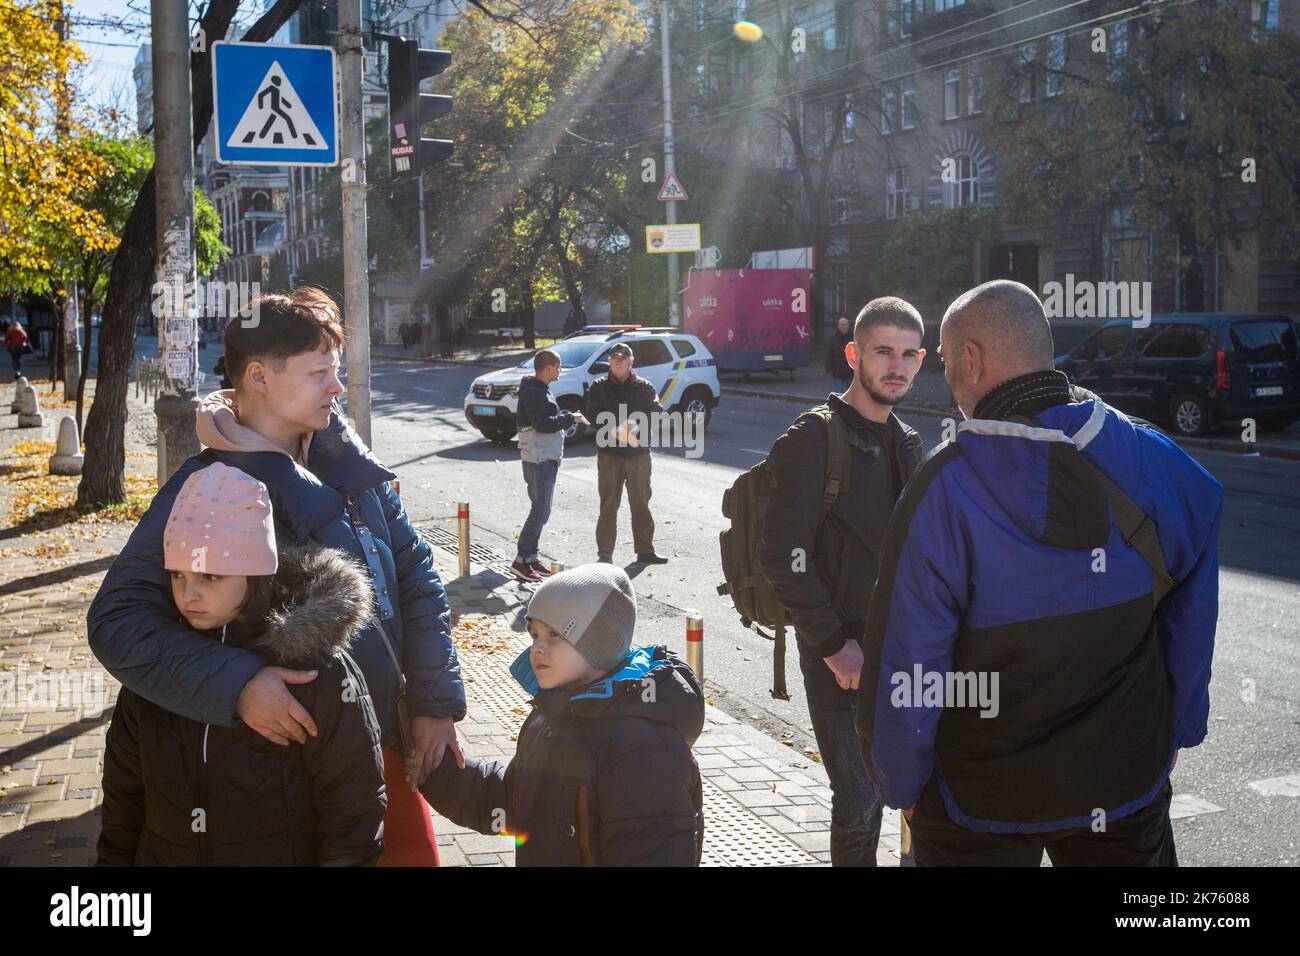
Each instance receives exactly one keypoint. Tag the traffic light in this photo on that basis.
(409, 109)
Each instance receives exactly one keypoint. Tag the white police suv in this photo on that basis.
(676, 363)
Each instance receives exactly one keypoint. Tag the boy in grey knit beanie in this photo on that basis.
(581, 621)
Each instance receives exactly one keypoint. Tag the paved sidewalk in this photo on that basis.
(55, 699)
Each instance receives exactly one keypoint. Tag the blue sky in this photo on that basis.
(111, 48)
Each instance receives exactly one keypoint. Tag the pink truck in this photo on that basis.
(751, 319)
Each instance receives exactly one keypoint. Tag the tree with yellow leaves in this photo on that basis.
(45, 168)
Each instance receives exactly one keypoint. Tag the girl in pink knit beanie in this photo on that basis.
(178, 792)
(219, 546)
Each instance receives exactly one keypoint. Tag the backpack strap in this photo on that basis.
(838, 465)
(1136, 526)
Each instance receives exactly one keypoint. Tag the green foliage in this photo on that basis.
(209, 250)
(928, 257)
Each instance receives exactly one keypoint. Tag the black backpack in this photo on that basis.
(745, 505)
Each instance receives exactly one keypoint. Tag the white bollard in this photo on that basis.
(67, 458)
(695, 644)
(30, 416)
(462, 521)
(20, 388)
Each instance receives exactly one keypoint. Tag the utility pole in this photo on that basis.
(174, 262)
(670, 155)
(356, 277)
(71, 325)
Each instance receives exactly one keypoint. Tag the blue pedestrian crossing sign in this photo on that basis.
(275, 105)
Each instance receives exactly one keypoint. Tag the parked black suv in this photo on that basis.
(1194, 371)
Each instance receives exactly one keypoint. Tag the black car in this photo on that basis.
(1194, 371)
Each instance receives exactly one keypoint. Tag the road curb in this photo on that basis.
(1207, 444)
(435, 360)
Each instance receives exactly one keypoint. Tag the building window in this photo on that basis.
(742, 9)
(975, 89)
(941, 5)
(887, 100)
(701, 17)
(1055, 63)
(951, 93)
(966, 190)
(898, 18)
(850, 133)
(1028, 72)
(1263, 18)
(897, 193)
(839, 212)
(909, 105)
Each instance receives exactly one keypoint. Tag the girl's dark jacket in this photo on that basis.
(602, 776)
(182, 793)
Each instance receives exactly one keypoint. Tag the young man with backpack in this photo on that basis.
(833, 480)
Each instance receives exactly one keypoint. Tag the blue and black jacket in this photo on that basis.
(1002, 559)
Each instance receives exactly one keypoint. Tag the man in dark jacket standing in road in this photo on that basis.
(837, 366)
(1039, 640)
(541, 448)
(623, 457)
(821, 564)
(281, 425)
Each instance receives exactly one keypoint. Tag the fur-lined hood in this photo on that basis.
(323, 598)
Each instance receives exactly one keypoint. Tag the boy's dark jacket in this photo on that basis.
(318, 803)
(602, 776)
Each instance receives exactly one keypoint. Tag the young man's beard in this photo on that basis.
(880, 397)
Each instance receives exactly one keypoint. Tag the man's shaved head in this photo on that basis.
(1008, 322)
(995, 332)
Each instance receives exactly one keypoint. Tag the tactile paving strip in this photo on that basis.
(738, 838)
(732, 835)
(449, 541)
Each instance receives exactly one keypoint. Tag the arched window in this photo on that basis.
(964, 189)
(261, 202)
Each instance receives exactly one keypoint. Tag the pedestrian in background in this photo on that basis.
(837, 365)
(541, 448)
(623, 457)
(18, 345)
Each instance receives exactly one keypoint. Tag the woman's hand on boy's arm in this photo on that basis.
(433, 737)
(266, 706)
